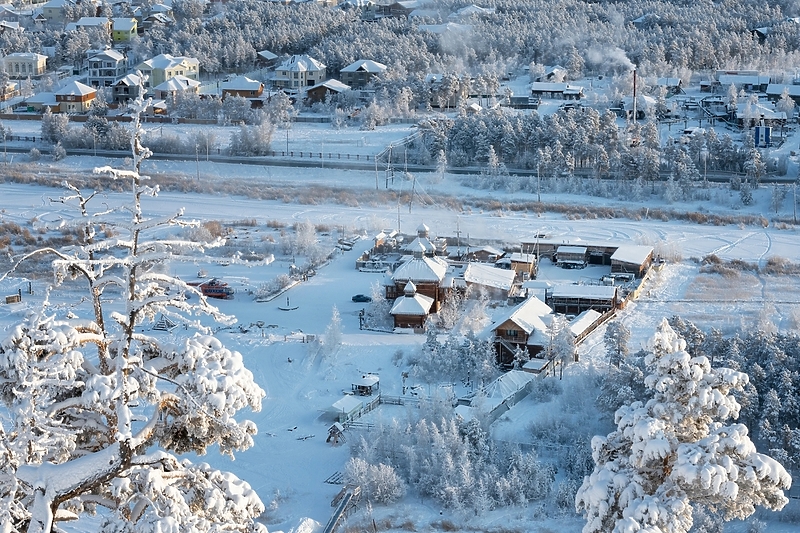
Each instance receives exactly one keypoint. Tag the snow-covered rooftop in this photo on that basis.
(599, 292)
(421, 269)
(301, 63)
(365, 65)
(489, 276)
(527, 315)
(241, 83)
(417, 305)
(75, 88)
(579, 324)
(632, 253)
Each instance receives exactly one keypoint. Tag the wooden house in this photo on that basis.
(427, 274)
(635, 259)
(321, 91)
(412, 309)
(563, 91)
(242, 86)
(521, 328)
(360, 73)
(575, 299)
(498, 283)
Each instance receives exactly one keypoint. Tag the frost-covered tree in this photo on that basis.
(616, 339)
(676, 451)
(97, 412)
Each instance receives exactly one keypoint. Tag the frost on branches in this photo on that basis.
(675, 451)
(97, 412)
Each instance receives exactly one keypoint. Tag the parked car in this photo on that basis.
(362, 298)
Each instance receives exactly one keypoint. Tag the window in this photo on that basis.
(511, 333)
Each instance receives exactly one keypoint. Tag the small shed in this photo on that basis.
(367, 385)
(336, 434)
(635, 259)
(347, 407)
(571, 256)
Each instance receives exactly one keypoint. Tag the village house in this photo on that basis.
(750, 114)
(242, 86)
(360, 73)
(75, 97)
(775, 92)
(299, 71)
(54, 13)
(632, 258)
(673, 86)
(426, 273)
(169, 89)
(25, 64)
(411, 310)
(483, 254)
(123, 30)
(563, 91)
(9, 91)
(106, 68)
(485, 279)
(747, 80)
(125, 89)
(520, 328)
(85, 23)
(266, 59)
(575, 299)
(165, 66)
(321, 91)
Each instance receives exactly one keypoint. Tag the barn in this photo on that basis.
(575, 299)
(632, 259)
(571, 256)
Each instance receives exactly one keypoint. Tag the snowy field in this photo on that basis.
(302, 382)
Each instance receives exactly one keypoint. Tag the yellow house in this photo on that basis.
(123, 29)
(165, 66)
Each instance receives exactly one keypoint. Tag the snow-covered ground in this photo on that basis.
(302, 382)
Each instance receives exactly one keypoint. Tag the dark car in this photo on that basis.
(361, 298)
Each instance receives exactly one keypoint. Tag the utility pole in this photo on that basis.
(411, 200)
(197, 160)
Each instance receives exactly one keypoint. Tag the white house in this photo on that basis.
(299, 71)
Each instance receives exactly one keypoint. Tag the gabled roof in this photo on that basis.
(365, 65)
(57, 3)
(177, 83)
(129, 80)
(332, 85)
(420, 269)
(568, 249)
(75, 88)
(92, 21)
(527, 315)
(758, 111)
(632, 253)
(301, 63)
(166, 61)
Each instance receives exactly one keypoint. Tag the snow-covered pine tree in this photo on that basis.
(675, 451)
(98, 411)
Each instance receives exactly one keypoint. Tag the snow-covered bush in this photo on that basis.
(379, 483)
